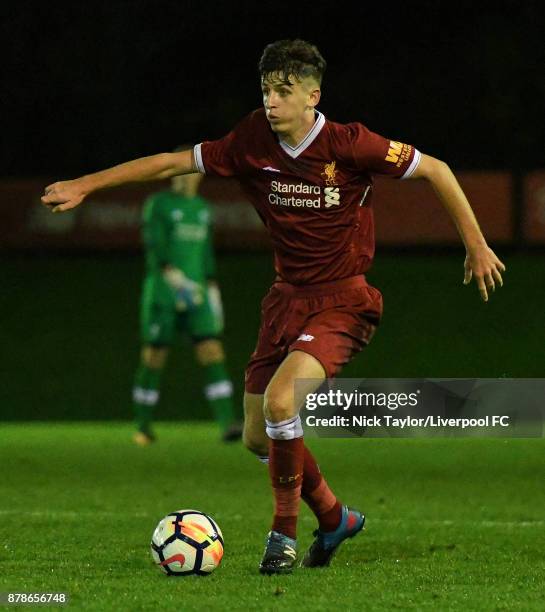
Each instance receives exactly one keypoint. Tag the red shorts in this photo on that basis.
(330, 321)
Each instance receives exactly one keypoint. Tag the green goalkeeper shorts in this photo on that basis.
(159, 319)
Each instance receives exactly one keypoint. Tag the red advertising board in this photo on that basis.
(407, 213)
(410, 213)
(111, 219)
(533, 225)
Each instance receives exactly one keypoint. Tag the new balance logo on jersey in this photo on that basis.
(306, 338)
(332, 196)
(271, 169)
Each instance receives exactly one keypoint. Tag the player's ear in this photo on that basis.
(313, 92)
(314, 97)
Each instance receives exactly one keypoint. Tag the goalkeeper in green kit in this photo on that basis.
(179, 293)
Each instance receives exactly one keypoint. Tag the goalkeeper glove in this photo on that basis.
(188, 294)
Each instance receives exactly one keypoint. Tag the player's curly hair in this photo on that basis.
(292, 57)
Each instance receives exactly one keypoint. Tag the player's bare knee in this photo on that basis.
(209, 351)
(278, 405)
(154, 357)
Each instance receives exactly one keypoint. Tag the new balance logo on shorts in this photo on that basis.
(306, 337)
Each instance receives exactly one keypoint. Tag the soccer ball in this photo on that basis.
(187, 542)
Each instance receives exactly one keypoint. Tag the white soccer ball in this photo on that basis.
(187, 542)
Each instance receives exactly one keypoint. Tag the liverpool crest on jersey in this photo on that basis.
(330, 174)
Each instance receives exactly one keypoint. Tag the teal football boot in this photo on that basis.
(325, 545)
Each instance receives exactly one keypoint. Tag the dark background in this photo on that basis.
(88, 85)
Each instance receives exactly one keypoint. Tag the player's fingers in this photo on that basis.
(501, 266)
(468, 273)
(63, 207)
(490, 281)
(46, 199)
(497, 277)
(482, 288)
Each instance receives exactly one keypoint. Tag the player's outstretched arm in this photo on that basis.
(481, 262)
(65, 195)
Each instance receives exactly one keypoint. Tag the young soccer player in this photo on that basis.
(311, 181)
(179, 291)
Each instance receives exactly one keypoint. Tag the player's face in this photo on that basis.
(288, 101)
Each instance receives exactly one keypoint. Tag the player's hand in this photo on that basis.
(63, 195)
(482, 264)
(188, 293)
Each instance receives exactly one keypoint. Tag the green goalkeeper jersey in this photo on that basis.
(177, 232)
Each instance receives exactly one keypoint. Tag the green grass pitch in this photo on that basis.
(452, 524)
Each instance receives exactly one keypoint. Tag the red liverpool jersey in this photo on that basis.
(314, 199)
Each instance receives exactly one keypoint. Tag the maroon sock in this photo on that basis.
(286, 472)
(318, 495)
